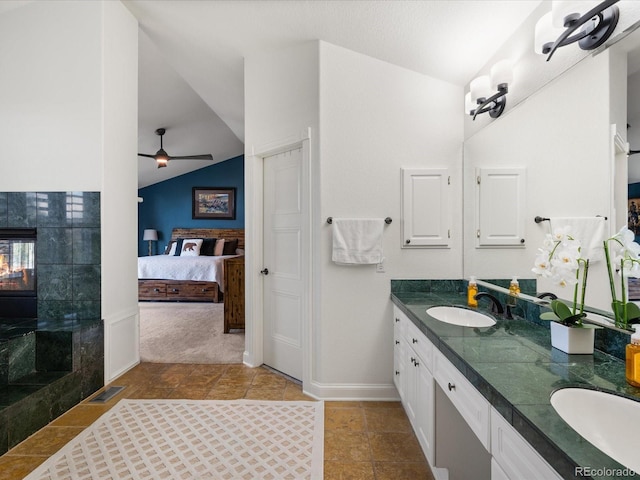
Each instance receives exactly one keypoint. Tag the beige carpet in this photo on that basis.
(195, 439)
(187, 333)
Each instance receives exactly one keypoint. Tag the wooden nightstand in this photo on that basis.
(233, 295)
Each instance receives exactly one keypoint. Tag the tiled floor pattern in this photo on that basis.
(363, 440)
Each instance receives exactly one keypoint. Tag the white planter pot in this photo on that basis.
(572, 340)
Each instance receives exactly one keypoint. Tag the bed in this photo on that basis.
(190, 278)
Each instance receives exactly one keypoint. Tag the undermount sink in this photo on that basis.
(463, 317)
(604, 419)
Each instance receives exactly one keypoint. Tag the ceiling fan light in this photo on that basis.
(162, 162)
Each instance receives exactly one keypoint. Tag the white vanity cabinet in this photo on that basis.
(418, 367)
(413, 357)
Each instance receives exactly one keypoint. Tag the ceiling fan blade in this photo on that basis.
(193, 157)
(146, 155)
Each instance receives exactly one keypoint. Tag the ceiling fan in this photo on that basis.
(162, 158)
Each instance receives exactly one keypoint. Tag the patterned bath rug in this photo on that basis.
(196, 439)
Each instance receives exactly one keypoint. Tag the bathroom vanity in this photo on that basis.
(478, 398)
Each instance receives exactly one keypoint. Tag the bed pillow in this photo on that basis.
(230, 246)
(171, 248)
(191, 247)
(219, 248)
(177, 247)
(208, 244)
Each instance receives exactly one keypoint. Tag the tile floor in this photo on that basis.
(363, 440)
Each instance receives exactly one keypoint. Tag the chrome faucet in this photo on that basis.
(496, 306)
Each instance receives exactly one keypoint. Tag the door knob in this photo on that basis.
(264, 271)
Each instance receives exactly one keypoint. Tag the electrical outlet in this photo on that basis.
(380, 267)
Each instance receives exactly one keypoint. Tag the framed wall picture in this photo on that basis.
(214, 202)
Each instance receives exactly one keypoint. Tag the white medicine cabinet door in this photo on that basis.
(426, 211)
(500, 207)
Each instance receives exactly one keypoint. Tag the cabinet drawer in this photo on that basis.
(148, 289)
(473, 407)
(516, 458)
(399, 323)
(190, 290)
(420, 344)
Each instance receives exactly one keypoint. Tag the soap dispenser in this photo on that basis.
(633, 358)
(514, 291)
(472, 291)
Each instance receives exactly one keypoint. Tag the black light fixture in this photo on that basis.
(162, 158)
(593, 24)
(487, 93)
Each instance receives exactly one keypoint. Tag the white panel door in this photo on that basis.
(283, 269)
(500, 199)
(426, 213)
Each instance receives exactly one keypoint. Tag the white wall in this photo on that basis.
(120, 189)
(68, 122)
(281, 106)
(51, 97)
(368, 119)
(376, 118)
(562, 135)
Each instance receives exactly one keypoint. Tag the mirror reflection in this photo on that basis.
(569, 142)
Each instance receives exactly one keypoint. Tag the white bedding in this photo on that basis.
(169, 267)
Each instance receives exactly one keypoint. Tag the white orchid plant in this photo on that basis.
(623, 255)
(559, 260)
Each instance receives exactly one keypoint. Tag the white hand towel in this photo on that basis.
(590, 231)
(357, 240)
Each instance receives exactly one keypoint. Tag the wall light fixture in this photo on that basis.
(594, 23)
(488, 92)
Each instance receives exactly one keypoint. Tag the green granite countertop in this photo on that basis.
(513, 365)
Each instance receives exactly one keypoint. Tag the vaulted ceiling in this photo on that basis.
(191, 56)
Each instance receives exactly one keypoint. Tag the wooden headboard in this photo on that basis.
(230, 233)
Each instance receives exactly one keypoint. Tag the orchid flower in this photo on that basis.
(559, 260)
(624, 257)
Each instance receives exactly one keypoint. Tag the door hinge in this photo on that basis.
(478, 233)
(478, 179)
(449, 180)
(449, 233)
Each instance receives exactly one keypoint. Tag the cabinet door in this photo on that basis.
(426, 213)
(399, 376)
(424, 426)
(411, 383)
(496, 472)
(516, 458)
(500, 201)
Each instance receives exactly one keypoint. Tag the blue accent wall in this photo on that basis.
(167, 205)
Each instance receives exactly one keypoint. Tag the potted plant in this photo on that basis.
(623, 256)
(559, 260)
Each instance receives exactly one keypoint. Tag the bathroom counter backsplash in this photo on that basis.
(513, 365)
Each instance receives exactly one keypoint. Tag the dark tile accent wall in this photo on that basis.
(50, 364)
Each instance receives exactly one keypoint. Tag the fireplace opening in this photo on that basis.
(18, 287)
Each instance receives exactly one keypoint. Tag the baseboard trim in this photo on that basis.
(351, 392)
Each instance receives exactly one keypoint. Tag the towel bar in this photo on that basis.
(541, 219)
(387, 220)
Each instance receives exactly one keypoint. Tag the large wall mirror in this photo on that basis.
(570, 138)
